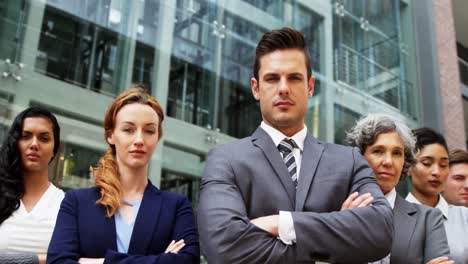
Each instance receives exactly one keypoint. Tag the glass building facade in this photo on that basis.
(74, 56)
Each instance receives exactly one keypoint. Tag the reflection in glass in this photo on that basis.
(272, 7)
(12, 19)
(81, 51)
(192, 76)
(146, 42)
(239, 113)
(345, 119)
(211, 67)
(368, 52)
(190, 91)
(207, 48)
(143, 64)
(182, 184)
(310, 24)
(76, 164)
(3, 133)
(463, 66)
(312, 116)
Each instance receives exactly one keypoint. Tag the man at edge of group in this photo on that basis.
(280, 195)
(456, 186)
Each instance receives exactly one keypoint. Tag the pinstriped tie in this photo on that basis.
(286, 147)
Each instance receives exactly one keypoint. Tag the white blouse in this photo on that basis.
(31, 231)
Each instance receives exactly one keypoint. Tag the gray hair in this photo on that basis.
(366, 130)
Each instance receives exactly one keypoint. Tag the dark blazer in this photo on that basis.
(83, 230)
(419, 233)
(247, 179)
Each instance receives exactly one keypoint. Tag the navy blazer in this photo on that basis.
(83, 230)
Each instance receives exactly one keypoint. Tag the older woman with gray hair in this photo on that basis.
(387, 144)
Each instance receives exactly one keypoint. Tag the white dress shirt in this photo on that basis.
(286, 231)
(391, 197)
(456, 227)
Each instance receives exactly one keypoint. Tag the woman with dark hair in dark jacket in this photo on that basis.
(29, 202)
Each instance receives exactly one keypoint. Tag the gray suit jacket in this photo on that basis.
(419, 233)
(247, 179)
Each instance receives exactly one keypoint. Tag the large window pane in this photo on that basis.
(370, 53)
(271, 7)
(146, 42)
(82, 43)
(74, 166)
(345, 119)
(182, 184)
(192, 77)
(12, 19)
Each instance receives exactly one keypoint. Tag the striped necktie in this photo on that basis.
(285, 147)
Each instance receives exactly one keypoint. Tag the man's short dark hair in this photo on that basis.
(281, 39)
(426, 136)
(458, 156)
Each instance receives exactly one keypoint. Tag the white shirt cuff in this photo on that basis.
(286, 231)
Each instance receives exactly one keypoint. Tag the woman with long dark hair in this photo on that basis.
(125, 218)
(29, 202)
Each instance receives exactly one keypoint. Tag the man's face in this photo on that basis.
(283, 90)
(456, 186)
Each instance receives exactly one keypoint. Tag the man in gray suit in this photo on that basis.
(278, 196)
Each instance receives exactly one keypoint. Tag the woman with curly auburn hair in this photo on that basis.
(125, 218)
(387, 144)
(29, 202)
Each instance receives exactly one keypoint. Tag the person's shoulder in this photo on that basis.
(56, 191)
(427, 211)
(173, 196)
(458, 211)
(84, 191)
(167, 195)
(336, 148)
(457, 220)
(235, 144)
(420, 212)
(175, 201)
(91, 193)
(241, 145)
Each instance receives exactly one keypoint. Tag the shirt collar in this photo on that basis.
(391, 197)
(277, 136)
(442, 205)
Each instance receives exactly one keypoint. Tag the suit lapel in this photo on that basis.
(310, 159)
(107, 235)
(404, 219)
(263, 141)
(146, 221)
(109, 229)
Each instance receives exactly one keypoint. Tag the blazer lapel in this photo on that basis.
(405, 220)
(146, 221)
(109, 229)
(310, 159)
(107, 235)
(263, 141)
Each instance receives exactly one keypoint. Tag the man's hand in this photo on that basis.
(175, 247)
(441, 260)
(268, 224)
(354, 201)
